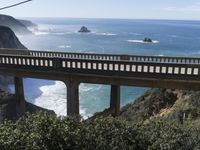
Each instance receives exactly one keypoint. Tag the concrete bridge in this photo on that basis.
(115, 70)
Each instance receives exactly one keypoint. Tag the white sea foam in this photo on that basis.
(141, 41)
(42, 29)
(64, 46)
(58, 33)
(86, 88)
(47, 30)
(106, 34)
(135, 33)
(38, 33)
(52, 96)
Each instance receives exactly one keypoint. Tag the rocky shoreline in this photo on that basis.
(9, 109)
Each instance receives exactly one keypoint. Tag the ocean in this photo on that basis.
(117, 36)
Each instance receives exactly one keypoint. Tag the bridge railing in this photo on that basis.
(14, 51)
(99, 67)
(25, 61)
(112, 57)
(163, 59)
(131, 67)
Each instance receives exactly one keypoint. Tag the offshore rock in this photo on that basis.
(148, 40)
(84, 29)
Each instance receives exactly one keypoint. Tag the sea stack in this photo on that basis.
(84, 29)
(147, 40)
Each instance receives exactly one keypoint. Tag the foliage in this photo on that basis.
(46, 132)
(43, 131)
(149, 104)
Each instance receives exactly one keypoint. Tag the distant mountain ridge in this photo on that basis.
(16, 25)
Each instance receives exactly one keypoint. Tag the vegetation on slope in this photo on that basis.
(176, 105)
(43, 131)
(159, 120)
(9, 109)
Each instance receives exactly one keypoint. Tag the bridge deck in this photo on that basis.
(96, 56)
(75, 68)
(182, 69)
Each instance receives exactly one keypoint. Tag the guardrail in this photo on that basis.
(103, 67)
(113, 57)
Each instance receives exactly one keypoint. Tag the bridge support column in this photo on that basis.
(115, 100)
(19, 91)
(72, 98)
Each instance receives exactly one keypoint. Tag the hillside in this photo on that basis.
(8, 39)
(17, 26)
(174, 105)
(8, 109)
(28, 23)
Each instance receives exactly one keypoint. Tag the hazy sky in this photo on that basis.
(142, 9)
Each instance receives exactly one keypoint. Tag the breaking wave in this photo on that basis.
(141, 41)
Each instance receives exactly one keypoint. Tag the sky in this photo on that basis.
(124, 9)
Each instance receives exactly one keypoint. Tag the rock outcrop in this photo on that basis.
(148, 40)
(84, 29)
(14, 24)
(9, 111)
(8, 39)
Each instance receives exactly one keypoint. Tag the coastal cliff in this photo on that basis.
(8, 39)
(8, 109)
(14, 24)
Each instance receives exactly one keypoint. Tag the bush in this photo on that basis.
(42, 131)
(167, 135)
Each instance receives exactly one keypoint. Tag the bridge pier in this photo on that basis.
(72, 98)
(115, 100)
(19, 91)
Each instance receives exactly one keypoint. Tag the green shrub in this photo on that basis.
(167, 135)
(42, 131)
(45, 132)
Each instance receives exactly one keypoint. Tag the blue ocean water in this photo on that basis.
(117, 36)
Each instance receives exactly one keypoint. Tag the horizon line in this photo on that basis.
(110, 18)
(169, 19)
